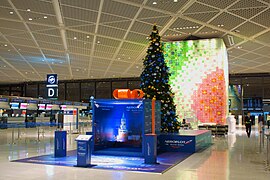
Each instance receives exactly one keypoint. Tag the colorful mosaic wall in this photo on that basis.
(199, 79)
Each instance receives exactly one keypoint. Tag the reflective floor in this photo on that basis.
(231, 157)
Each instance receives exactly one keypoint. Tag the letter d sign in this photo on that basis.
(52, 92)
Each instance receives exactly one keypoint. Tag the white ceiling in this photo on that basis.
(81, 39)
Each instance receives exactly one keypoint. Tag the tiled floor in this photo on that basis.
(232, 157)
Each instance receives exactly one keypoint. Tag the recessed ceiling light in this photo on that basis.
(175, 0)
(11, 12)
(30, 19)
(77, 69)
(118, 58)
(5, 66)
(5, 45)
(239, 47)
(84, 43)
(28, 10)
(19, 49)
(237, 31)
(87, 36)
(26, 72)
(45, 17)
(75, 38)
(113, 75)
(154, 2)
(9, 50)
(128, 57)
(98, 42)
(92, 76)
(137, 66)
(33, 72)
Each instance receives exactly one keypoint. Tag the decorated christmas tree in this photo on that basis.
(154, 83)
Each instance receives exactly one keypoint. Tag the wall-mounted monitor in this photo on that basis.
(23, 106)
(49, 107)
(14, 105)
(41, 106)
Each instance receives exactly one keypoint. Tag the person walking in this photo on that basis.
(248, 122)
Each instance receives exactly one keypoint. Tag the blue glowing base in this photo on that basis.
(165, 161)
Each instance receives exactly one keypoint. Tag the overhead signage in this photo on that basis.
(3, 99)
(32, 101)
(17, 100)
(52, 86)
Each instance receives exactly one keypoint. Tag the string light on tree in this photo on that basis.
(154, 82)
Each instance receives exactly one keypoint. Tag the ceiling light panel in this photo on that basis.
(249, 29)
(80, 14)
(122, 24)
(249, 56)
(85, 4)
(46, 38)
(264, 37)
(248, 12)
(51, 46)
(142, 28)
(199, 8)
(38, 18)
(134, 47)
(77, 50)
(229, 21)
(8, 31)
(79, 44)
(147, 13)
(120, 9)
(167, 5)
(89, 28)
(109, 18)
(247, 4)
(111, 32)
(161, 21)
(185, 26)
(220, 4)
(264, 50)
(102, 48)
(8, 13)
(108, 42)
(263, 18)
(35, 6)
(251, 46)
(18, 41)
(103, 54)
(203, 17)
(22, 48)
(51, 32)
(13, 25)
(138, 38)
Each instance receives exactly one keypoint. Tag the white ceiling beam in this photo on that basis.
(41, 78)
(59, 18)
(30, 32)
(161, 32)
(125, 36)
(95, 37)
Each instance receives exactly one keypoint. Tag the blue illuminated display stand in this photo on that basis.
(119, 126)
(84, 150)
(150, 149)
(60, 143)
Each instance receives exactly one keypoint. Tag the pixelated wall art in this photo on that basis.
(199, 79)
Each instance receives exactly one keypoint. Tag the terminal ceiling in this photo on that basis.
(85, 39)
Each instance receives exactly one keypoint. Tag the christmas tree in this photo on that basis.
(154, 83)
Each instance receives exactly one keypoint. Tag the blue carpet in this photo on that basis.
(165, 161)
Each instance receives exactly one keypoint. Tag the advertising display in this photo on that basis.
(120, 125)
(199, 79)
(14, 105)
(23, 106)
(41, 106)
(49, 107)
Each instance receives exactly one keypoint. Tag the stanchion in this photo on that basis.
(268, 148)
(12, 136)
(70, 128)
(38, 134)
(19, 133)
(261, 139)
